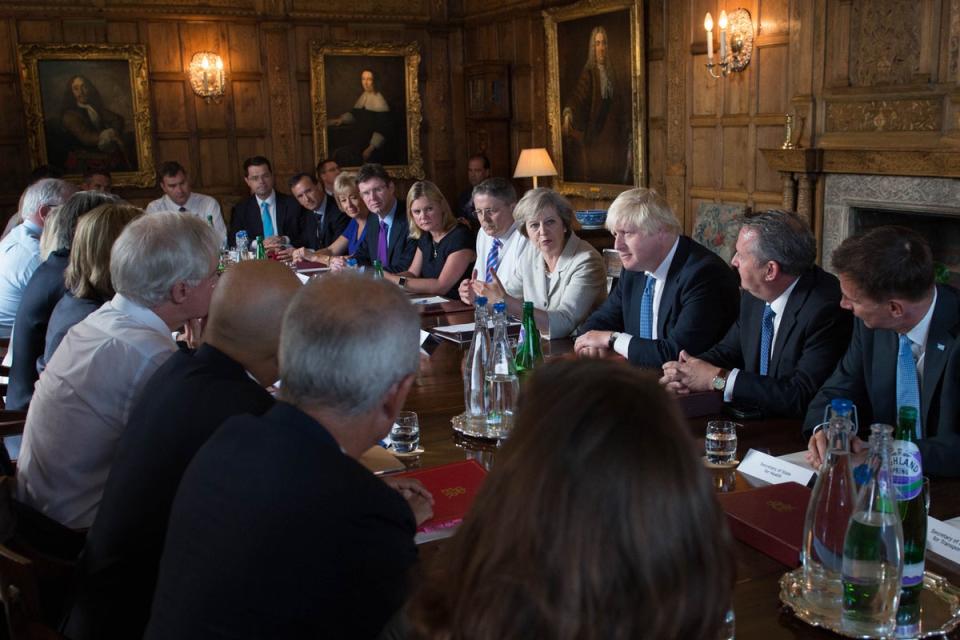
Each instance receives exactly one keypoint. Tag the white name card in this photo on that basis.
(943, 540)
(773, 470)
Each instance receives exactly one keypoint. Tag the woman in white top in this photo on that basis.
(564, 278)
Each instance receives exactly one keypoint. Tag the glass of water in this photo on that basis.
(721, 442)
(405, 433)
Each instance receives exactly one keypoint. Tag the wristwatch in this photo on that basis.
(402, 281)
(612, 340)
(720, 380)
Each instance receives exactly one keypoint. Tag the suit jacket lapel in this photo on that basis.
(789, 320)
(566, 257)
(539, 280)
(884, 373)
(393, 240)
(943, 329)
(667, 297)
(750, 331)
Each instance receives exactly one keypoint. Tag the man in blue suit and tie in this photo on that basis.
(672, 294)
(791, 331)
(388, 236)
(904, 350)
(277, 217)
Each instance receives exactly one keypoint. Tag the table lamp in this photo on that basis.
(533, 163)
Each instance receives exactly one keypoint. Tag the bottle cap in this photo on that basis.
(481, 301)
(499, 307)
(841, 406)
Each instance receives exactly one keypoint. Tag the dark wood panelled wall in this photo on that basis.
(860, 75)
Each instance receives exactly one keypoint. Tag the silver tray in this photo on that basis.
(939, 605)
(474, 428)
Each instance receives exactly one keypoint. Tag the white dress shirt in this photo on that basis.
(777, 306)
(622, 344)
(514, 246)
(199, 205)
(81, 405)
(19, 258)
(918, 338)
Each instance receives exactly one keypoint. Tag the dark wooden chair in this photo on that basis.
(20, 594)
(11, 424)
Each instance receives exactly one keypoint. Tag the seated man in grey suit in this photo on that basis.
(904, 350)
(791, 331)
(672, 294)
(190, 396)
(277, 531)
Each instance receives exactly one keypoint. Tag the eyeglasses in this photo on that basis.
(489, 213)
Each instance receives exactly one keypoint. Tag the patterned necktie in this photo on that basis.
(382, 243)
(766, 338)
(646, 309)
(493, 259)
(265, 218)
(908, 387)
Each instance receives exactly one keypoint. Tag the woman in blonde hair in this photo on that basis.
(445, 251)
(87, 277)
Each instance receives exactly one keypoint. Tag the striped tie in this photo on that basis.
(493, 259)
(265, 219)
(766, 339)
(908, 387)
(646, 309)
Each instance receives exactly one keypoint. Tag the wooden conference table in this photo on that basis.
(437, 396)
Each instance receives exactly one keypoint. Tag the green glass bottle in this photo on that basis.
(908, 482)
(377, 270)
(261, 252)
(529, 352)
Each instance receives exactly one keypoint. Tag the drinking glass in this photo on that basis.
(721, 442)
(405, 433)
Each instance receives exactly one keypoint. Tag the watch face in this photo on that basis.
(719, 383)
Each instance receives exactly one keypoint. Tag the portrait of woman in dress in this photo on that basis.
(371, 131)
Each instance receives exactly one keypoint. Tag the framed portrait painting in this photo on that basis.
(366, 105)
(88, 108)
(595, 96)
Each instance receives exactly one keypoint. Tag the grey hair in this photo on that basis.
(155, 252)
(51, 192)
(346, 339)
(643, 210)
(535, 201)
(66, 217)
(784, 238)
(499, 188)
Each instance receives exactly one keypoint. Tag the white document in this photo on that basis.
(944, 539)
(773, 470)
(430, 300)
(456, 328)
(303, 279)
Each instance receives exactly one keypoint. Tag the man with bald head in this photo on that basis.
(187, 399)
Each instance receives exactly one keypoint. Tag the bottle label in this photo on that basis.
(912, 575)
(907, 470)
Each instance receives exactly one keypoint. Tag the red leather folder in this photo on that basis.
(454, 486)
(769, 519)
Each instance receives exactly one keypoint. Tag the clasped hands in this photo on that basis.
(688, 374)
(416, 495)
(492, 291)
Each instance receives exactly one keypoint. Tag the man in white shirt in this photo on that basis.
(20, 249)
(500, 244)
(178, 196)
(164, 269)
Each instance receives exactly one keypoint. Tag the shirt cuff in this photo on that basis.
(728, 388)
(622, 344)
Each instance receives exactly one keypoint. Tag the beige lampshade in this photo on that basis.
(533, 163)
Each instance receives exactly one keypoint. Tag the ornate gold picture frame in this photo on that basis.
(87, 108)
(383, 123)
(596, 96)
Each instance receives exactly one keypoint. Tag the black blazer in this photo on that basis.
(291, 220)
(698, 305)
(276, 533)
(334, 222)
(867, 374)
(190, 396)
(41, 295)
(813, 334)
(400, 246)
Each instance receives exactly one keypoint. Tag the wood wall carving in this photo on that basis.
(884, 42)
(884, 115)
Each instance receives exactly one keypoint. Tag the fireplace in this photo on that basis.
(931, 206)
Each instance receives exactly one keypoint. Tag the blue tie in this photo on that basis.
(908, 387)
(265, 218)
(766, 339)
(646, 308)
(493, 259)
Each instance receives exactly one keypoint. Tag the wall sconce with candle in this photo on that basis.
(206, 76)
(736, 42)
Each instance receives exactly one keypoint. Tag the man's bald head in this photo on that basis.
(246, 313)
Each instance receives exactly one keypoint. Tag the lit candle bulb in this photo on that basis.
(219, 74)
(205, 65)
(723, 35)
(708, 25)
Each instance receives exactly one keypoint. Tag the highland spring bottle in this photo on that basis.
(529, 351)
(873, 547)
(831, 505)
(911, 501)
